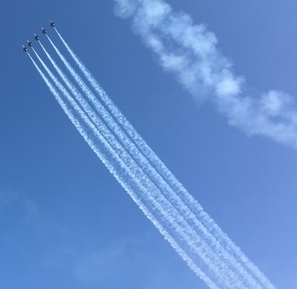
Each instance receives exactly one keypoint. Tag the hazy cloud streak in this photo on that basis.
(189, 51)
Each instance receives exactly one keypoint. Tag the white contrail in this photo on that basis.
(190, 53)
(154, 198)
(133, 151)
(171, 195)
(133, 166)
(121, 178)
(150, 154)
(229, 248)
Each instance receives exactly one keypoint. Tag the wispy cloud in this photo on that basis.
(189, 51)
(98, 265)
(138, 262)
(24, 209)
(7, 197)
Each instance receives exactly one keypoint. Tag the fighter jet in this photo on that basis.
(25, 49)
(43, 31)
(30, 44)
(36, 37)
(52, 24)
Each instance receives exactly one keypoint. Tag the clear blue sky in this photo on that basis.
(64, 220)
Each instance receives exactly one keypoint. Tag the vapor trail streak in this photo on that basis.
(229, 260)
(173, 218)
(174, 212)
(219, 241)
(127, 175)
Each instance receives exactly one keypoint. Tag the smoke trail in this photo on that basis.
(180, 191)
(175, 218)
(121, 177)
(171, 195)
(168, 217)
(190, 53)
(229, 251)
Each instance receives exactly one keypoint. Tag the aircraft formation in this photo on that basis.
(36, 37)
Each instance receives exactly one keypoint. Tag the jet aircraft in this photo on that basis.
(43, 30)
(25, 48)
(52, 24)
(30, 44)
(36, 37)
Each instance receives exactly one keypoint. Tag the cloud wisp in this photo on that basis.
(189, 52)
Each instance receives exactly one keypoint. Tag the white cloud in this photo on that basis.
(190, 53)
(228, 86)
(276, 102)
(125, 8)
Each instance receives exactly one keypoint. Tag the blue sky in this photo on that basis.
(64, 220)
